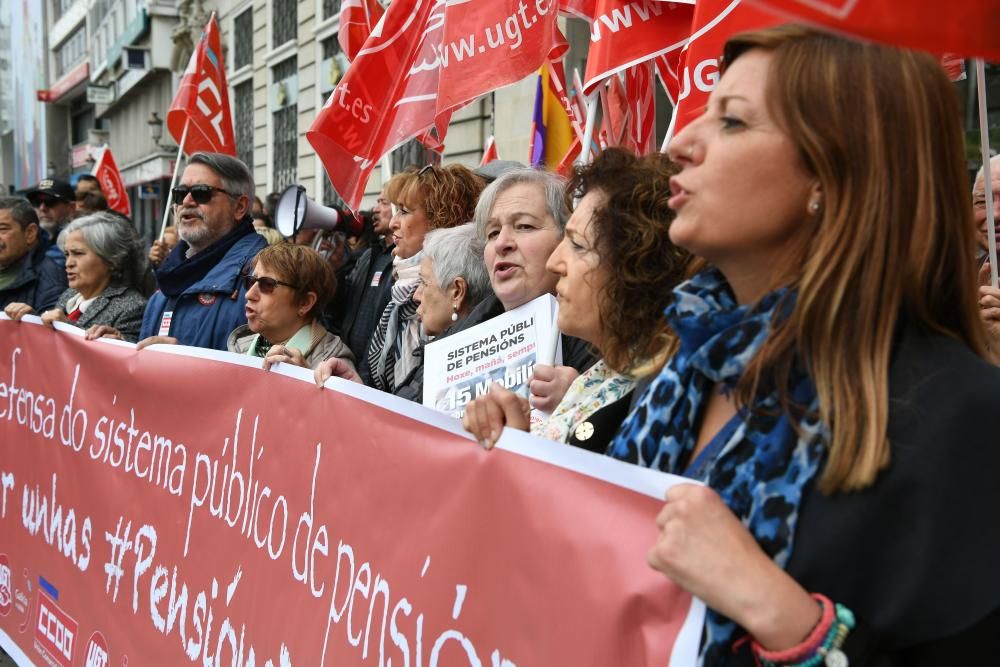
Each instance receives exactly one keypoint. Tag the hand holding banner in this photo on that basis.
(233, 530)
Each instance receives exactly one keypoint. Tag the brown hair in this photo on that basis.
(448, 195)
(631, 233)
(304, 268)
(893, 239)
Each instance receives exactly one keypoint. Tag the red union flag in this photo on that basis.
(357, 19)
(623, 34)
(715, 21)
(963, 27)
(489, 44)
(202, 101)
(642, 108)
(387, 96)
(110, 179)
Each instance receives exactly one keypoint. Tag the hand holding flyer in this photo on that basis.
(505, 350)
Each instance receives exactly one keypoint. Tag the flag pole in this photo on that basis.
(984, 140)
(588, 130)
(173, 180)
(670, 131)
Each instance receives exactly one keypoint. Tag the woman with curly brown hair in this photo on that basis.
(616, 269)
(432, 198)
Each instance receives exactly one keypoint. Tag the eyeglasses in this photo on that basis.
(265, 285)
(201, 194)
(431, 168)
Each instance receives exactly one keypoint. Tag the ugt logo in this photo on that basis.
(96, 654)
(55, 631)
(6, 590)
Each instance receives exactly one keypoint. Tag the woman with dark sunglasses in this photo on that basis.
(286, 292)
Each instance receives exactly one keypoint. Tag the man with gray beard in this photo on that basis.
(201, 297)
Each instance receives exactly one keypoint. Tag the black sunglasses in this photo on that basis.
(265, 285)
(431, 168)
(201, 194)
(46, 201)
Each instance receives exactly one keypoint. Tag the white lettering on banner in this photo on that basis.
(96, 656)
(706, 78)
(43, 514)
(55, 631)
(621, 18)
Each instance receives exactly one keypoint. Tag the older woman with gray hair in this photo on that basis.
(452, 283)
(520, 218)
(105, 269)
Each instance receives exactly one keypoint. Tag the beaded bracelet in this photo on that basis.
(821, 647)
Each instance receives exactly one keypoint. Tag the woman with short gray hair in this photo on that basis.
(105, 268)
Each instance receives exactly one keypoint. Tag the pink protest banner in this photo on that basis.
(176, 506)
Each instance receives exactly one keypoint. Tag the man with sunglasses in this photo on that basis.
(201, 297)
(55, 204)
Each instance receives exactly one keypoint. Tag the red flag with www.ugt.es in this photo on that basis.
(387, 96)
(202, 101)
(110, 179)
(963, 27)
(489, 44)
(624, 34)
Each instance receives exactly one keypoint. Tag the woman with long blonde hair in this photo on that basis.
(829, 390)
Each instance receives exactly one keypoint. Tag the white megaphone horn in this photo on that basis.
(296, 211)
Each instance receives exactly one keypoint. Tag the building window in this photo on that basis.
(285, 124)
(243, 121)
(285, 21)
(243, 40)
(330, 8)
(60, 7)
(72, 51)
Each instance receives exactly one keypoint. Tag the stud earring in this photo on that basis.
(454, 312)
(814, 207)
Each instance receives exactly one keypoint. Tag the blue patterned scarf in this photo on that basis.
(761, 466)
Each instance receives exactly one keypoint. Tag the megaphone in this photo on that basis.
(296, 211)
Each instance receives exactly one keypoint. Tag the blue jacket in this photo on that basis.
(210, 309)
(39, 282)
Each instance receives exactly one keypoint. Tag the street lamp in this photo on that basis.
(156, 129)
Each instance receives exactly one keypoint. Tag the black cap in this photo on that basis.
(52, 187)
(491, 171)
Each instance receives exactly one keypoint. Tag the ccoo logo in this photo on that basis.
(55, 631)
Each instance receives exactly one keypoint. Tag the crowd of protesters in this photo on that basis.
(824, 367)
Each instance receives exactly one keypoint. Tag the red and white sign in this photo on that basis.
(202, 101)
(715, 21)
(55, 631)
(489, 151)
(356, 529)
(623, 34)
(642, 108)
(387, 96)
(96, 653)
(357, 20)
(963, 27)
(489, 44)
(110, 180)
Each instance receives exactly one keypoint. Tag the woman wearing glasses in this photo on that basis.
(286, 292)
